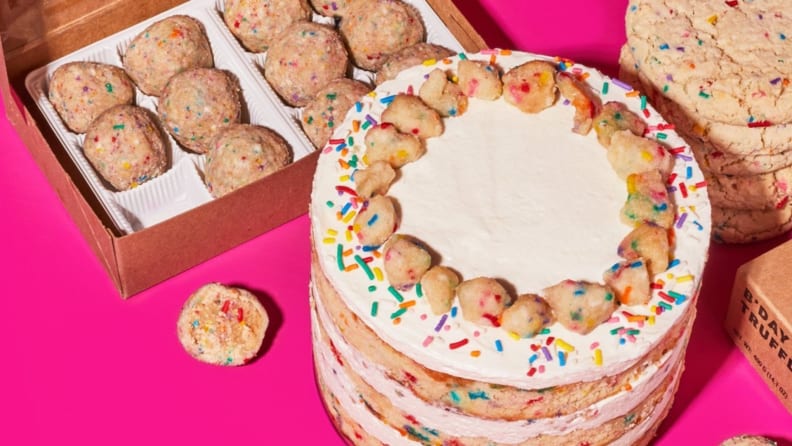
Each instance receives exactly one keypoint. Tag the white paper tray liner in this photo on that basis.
(178, 190)
(181, 187)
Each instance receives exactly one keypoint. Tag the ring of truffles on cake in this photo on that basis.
(580, 306)
(422, 347)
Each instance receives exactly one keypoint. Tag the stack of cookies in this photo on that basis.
(719, 72)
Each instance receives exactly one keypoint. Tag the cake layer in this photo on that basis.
(393, 402)
(354, 404)
(353, 433)
(477, 397)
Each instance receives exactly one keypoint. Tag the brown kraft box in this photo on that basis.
(759, 318)
(36, 33)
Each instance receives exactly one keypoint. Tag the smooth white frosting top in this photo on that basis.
(482, 210)
(517, 197)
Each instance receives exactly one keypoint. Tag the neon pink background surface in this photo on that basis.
(82, 366)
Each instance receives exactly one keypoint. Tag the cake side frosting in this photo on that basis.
(329, 345)
(336, 382)
(448, 344)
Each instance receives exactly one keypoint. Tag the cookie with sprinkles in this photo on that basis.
(410, 56)
(126, 146)
(81, 91)
(328, 108)
(222, 325)
(521, 202)
(257, 23)
(241, 154)
(727, 62)
(331, 8)
(717, 72)
(303, 59)
(748, 440)
(373, 30)
(749, 225)
(164, 49)
(196, 104)
(721, 148)
(729, 151)
(761, 191)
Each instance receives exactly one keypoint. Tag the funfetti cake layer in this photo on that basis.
(522, 198)
(346, 412)
(615, 419)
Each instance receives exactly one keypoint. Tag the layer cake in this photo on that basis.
(522, 198)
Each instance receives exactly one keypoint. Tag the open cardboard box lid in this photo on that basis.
(35, 33)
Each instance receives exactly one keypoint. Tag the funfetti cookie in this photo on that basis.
(408, 57)
(196, 104)
(222, 325)
(164, 49)
(241, 154)
(715, 71)
(722, 162)
(761, 191)
(720, 148)
(303, 59)
(375, 29)
(328, 108)
(724, 61)
(257, 23)
(81, 91)
(746, 226)
(126, 146)
(748, 440)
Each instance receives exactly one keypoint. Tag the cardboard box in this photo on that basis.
(36, 33)
(759, 318)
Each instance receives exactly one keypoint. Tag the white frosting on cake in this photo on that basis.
(480, 208)
(517, 197)
(457, 424)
